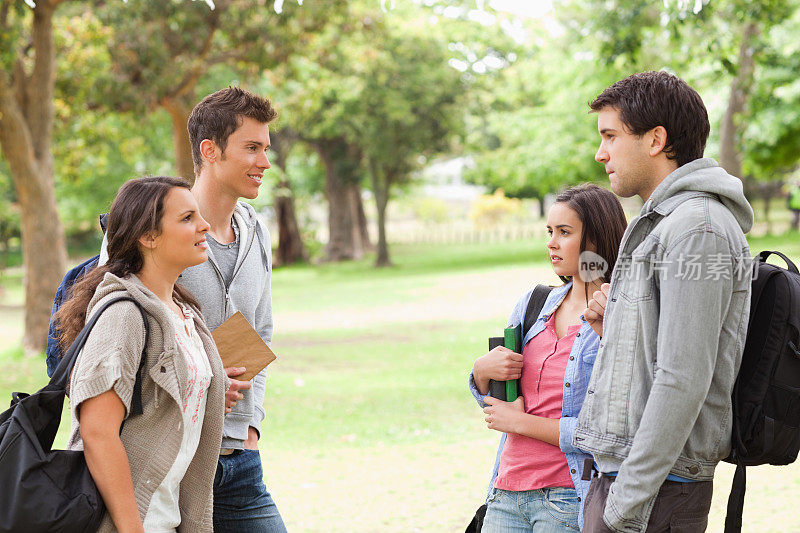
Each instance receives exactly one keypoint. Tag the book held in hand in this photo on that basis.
(240, 345)
(508, 391)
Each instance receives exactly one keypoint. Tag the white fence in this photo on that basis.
(412, 232)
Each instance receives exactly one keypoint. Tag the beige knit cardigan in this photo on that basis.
(110, 359)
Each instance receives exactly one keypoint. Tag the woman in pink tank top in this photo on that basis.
(536, 484)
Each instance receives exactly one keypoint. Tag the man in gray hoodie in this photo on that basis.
(229, 135)
(657, 415)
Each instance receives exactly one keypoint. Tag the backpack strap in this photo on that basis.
(61, 375)
(535, 305)
(733, 518)
(791, 267)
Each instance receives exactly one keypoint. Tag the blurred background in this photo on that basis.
(418, 147)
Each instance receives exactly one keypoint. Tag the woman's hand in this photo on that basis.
(505, 416)
(500, 364)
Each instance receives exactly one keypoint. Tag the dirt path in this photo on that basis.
(469, 296)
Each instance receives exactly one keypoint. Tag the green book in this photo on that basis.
(508, 391)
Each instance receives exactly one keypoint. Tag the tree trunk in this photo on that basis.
(380, 188)
(360, 229)
(770, 190)
(340, 246)
(542, 212)
(290, 244)
(179, 110)
(26, 125)
(729, 157)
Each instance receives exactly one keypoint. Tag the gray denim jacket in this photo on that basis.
(658, 401)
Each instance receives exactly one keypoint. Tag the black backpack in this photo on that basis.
(46, 490)
(766, 394)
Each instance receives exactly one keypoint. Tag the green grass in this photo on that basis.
(788, 244)
(370, 426)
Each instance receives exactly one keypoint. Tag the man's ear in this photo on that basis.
(658, 140)
(209, 150)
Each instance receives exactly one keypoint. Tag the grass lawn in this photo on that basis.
(369, 424)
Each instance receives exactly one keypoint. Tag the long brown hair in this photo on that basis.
(603, 221)
(137, 210)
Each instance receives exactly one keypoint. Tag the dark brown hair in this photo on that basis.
(603, 221)
(137, 210)
(219, 114)
(656, 98)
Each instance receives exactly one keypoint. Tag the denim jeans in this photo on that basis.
(241, 500)
(552, 510)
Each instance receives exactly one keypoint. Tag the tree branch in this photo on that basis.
(200, 63)
(4, 6)
(224, 57)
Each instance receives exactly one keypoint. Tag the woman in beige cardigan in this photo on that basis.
(156, 474)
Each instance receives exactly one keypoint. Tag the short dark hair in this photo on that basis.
(657, 98)
(219, 114)
(603, 221)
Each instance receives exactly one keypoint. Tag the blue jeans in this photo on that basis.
(241, 500)
(552, 510)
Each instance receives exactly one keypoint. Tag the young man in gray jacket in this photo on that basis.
(657, 415)
(229, 135)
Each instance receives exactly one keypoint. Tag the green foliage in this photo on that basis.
(160, 49)
(545, 142)
(14, 18)
(432, 210)
(771, 138)
(408, 103)
(9, 218)
(701, 41)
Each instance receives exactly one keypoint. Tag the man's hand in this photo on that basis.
(596, 310)
(501, 364)
(233, 395)
(504, 416)
(252, 439)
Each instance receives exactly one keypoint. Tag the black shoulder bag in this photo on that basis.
(46, 490)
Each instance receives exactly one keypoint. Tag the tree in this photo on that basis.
(538, 137)
(734, 38)
(161, 51)
(376, 97)
(408, 111)
(290, 244)
(27, 79)
(319, 89)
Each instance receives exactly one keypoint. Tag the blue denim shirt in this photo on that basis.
(576, 380)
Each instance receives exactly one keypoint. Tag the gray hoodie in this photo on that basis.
(658, 401)
(249, 292)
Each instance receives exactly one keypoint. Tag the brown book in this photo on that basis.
(241, 345)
